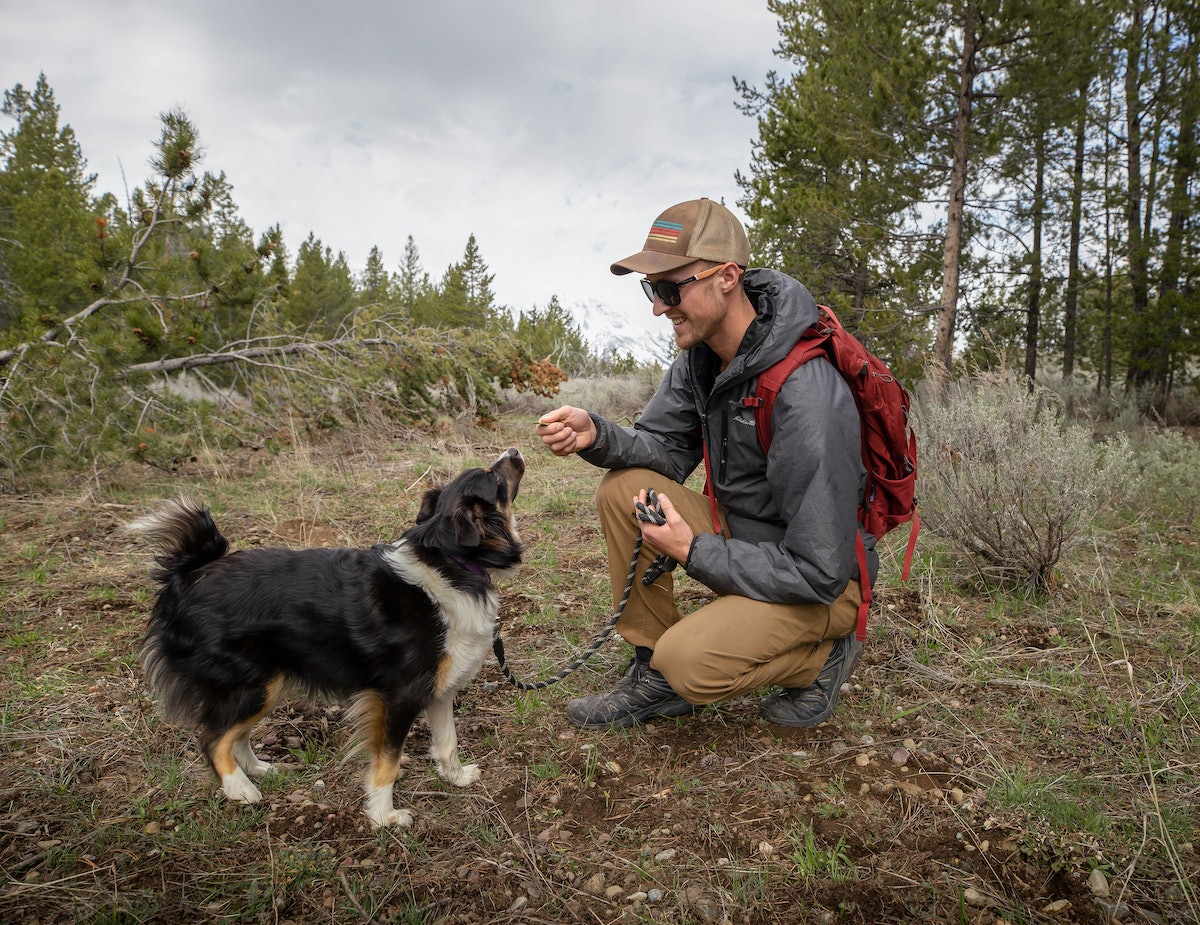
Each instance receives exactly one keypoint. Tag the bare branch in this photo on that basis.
(174, 364)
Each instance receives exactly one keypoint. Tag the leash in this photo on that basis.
(650, 513)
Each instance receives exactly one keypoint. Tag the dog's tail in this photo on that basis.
(187, 538)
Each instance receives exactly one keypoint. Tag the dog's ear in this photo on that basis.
(467, 532)
(428, 504)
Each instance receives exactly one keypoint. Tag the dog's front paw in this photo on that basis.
(399, 817)
(460, 775)
(237, 787)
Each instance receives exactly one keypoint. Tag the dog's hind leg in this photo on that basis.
(444, 745)
(229, 751)
(384, 730)
(240, 748)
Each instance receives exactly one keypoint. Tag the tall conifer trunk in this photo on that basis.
(943, 349)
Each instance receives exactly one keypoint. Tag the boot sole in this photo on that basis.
(637, 718)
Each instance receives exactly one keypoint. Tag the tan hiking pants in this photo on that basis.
(726, 648)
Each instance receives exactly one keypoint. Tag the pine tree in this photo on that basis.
(375, 284)
(464, 298)
(49, 226)
(322, 289)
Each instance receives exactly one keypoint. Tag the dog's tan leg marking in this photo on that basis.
(443, 675)
(444, 744)
(383, 770)
(241, 750)
(234, 747)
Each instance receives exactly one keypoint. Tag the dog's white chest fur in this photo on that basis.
(470, 621)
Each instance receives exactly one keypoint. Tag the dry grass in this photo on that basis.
(997, 749)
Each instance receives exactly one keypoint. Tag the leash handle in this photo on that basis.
(650, 512)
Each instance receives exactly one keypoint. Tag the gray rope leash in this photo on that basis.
(651, 513)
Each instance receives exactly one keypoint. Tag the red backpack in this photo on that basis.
(889, 446)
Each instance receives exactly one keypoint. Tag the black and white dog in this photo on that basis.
(399, 628)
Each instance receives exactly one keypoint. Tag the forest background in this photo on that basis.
(968, 184)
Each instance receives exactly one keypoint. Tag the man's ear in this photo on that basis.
(730, 276)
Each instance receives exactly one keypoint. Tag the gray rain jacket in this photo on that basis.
(793, 513)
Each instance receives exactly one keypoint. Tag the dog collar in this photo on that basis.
(469, 565)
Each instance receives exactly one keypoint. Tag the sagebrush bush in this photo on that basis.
(620, 398)
(1010, 480)
(1170, 466)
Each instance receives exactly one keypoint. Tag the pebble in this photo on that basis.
(1098, 883)
(665, 855)
(900, 757)
(595, 884)
(654, 896)
(973, 897)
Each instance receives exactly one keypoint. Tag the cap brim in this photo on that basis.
(650, 262)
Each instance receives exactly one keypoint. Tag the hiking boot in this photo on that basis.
(641, 694)
(808, 706)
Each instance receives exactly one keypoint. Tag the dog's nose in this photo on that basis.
(513, 455)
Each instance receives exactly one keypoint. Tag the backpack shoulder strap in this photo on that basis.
(811, 343)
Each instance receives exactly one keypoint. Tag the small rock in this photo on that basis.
(766, 849)
(1059, 905)
(613, 892)
(862, 760)
(1098, 883)
(900, 757)
(638, 897)
(665, 855)
(956, 795)
(973, 897)
(518, 904)
(595, 884)
(654, 896)
(153, 828)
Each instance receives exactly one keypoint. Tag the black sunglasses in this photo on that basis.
(668, 292)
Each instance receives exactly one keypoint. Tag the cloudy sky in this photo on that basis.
(552, 130)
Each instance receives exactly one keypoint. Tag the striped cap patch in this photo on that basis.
(667, 232)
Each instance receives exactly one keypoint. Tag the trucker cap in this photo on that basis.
(698, 229)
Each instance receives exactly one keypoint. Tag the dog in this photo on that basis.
(398, 629)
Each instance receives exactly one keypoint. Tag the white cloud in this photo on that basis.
(553, 131)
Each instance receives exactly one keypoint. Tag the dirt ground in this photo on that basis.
(881, 815)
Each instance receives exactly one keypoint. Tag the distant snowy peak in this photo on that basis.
(608, 332)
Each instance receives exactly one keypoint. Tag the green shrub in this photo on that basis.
(1010, 480)
(1170, 466)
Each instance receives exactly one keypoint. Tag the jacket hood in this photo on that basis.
(785, 310)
